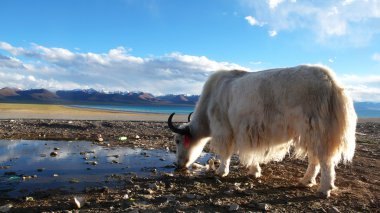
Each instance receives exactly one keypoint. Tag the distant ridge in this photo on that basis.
(91, 96)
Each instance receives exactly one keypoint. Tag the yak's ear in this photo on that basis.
(185, 131)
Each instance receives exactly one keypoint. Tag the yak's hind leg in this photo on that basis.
(254, 170)
(312, 171)
(327, 178)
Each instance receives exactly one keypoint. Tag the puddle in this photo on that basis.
(27, 167)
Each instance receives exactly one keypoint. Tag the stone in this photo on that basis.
(6, 208)
(263, 206)
(233, 207)
(79, 202)
(191, 196)
(29, 199)
(53, 154)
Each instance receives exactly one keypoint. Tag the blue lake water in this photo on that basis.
(74, 167)
(142, 108)
(368, 112)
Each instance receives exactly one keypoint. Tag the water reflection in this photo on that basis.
(78, 165)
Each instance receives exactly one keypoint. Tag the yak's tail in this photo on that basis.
(342, 125)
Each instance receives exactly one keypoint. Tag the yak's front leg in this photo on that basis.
(225, 151)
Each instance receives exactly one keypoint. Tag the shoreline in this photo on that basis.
(67, 112)
(63, 112)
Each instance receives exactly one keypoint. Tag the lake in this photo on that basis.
(362, 111)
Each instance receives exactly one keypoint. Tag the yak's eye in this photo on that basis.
(177, 141)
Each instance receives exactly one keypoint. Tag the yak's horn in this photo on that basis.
(188, 118)
(175, 129)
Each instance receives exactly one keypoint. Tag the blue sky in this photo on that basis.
(170, 46)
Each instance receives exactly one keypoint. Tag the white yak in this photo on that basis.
(261, 115)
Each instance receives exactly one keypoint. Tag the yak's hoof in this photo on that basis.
(326, 192)
(222, 172)
(254, 174)
(307, 183)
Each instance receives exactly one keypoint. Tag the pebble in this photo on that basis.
(191, 196)
(56, 148)
(233, 207)
(137, 137)
(100, 138)
(74, 180)
(126, 197)
(263, 206)
(153, 186)
(55, 175)
(40, 169)
(6, 208)
(53, 154)
(29, 199)
(123, 138)
(79, 202)
(333, 210)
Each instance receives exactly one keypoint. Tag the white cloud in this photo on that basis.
(272, 33)
(252, 21)
(331, 22)
(119, 70)
(363, 93)
(116, 70)
(274, 3)
(362, 88)
(376, 57)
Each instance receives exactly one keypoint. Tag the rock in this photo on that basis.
(153, 186)
(53, 154)
(55, 175)
(74, 180)
(233, 207)
(137, 137)
(263, 206)
(100, 138)
(29, 199)
(56, 148)
(150, 191)
(123, 138)
(229, 192)
(6, 208)
(333, 210)
(126, 197)
(40, 169)
(191, 196)
(79, 202)
(115, 161)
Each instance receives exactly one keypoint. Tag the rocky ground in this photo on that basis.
(275, 191)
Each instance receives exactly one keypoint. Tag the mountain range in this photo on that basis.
(91, 96)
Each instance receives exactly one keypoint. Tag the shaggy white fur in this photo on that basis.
(261, 115)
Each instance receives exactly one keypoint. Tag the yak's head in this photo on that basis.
(189, 147)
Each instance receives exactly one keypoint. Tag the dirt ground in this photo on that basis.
(276, 191)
